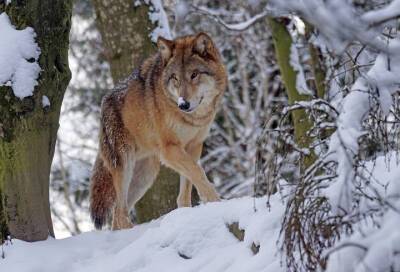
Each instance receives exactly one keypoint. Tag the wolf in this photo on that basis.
(161, 114)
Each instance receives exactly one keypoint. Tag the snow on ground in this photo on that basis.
(19, 54)
(186, 239)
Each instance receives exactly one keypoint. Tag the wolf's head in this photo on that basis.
(193, 73)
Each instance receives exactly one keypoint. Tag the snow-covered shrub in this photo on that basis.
(340, 206)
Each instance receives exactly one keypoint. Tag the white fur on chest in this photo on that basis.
(185, 133)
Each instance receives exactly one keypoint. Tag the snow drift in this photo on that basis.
(186, 239)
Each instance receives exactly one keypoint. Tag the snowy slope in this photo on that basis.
(187, 239)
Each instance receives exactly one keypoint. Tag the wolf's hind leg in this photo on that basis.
(144, 174)
(122, 177)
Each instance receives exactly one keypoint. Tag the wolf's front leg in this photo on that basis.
(178, 159)
(185, 189)
(185, 193)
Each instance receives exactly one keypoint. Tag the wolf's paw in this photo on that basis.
(184, 202)
(126, 224)
(210, 196)
(121, 222)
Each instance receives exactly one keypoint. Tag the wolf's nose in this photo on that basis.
(183, 104)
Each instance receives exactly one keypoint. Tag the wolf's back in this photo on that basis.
(102, 194)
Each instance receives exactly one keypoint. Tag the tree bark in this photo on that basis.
(301, 123)
(125, 31)
(317, 66)
(27, 130)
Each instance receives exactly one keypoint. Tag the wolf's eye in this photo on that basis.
(194, 75)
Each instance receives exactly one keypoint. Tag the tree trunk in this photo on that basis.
(301, 123)
(27, 130)
(125, 32)
(316, 63)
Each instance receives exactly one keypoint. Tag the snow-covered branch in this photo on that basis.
(239, 26)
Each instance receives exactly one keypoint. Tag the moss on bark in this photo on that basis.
(27, 130)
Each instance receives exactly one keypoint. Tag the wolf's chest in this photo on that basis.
(184, 132)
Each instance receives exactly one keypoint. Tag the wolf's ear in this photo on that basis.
(204, 46)
(165, 48)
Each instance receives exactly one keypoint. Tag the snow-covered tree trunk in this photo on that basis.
(28, 126)
(125, 30)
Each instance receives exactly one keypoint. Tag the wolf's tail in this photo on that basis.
(102, 194)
